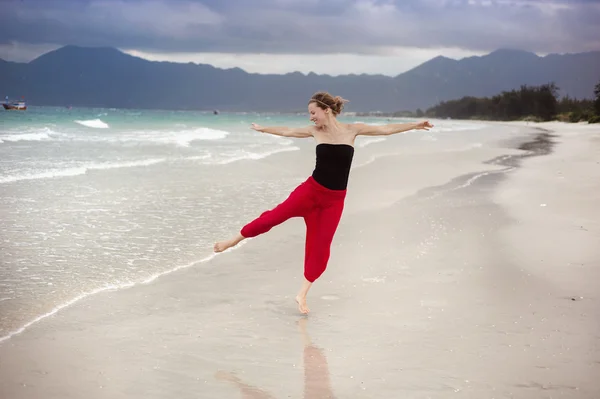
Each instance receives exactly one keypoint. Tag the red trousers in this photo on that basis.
(321, 209)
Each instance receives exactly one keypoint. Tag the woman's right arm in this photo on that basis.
(301, 132)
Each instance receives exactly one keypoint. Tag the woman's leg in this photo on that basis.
(321, 225)
(293, 206)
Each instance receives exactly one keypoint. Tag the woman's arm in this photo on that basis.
(301, 132)
(385, 130)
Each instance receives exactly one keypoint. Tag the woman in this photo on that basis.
(320, 199)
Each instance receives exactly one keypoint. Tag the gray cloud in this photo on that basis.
(305, 26)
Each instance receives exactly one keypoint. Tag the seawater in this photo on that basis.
(95, 199)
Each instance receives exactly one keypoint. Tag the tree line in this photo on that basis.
(535, 103)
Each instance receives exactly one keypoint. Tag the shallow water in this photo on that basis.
(93, 199)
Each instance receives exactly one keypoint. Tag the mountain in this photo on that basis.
(106, 77)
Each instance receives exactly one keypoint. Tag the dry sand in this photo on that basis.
(453, 278)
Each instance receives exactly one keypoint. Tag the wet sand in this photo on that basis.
(463, 274)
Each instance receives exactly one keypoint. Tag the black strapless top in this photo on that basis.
(333, 165)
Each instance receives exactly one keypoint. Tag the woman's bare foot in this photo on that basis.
(301, 297)
(223, 245)
(302, 307)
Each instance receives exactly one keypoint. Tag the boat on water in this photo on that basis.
(14, 105)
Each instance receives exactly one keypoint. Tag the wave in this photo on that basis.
(207, 159)
(108, 287)
(246, 155)
(198, 157)
(25, 137)
(131, 164)
(363, 142)
(182, 138)
(93, 123)
(443, 127)
(370, 160)
(77, 171)
(114, 287)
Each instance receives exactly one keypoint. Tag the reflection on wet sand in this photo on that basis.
(316, 373)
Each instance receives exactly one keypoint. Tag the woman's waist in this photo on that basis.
(336, 190)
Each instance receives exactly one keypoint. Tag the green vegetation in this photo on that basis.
(596, 117)
(529, 103)
(534, 103)
(571, 110)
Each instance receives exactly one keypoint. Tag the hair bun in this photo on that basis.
(338, 104)
(325, 100)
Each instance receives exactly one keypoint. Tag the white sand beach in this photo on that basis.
(469, 273)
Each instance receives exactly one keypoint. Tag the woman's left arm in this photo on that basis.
(362, 129)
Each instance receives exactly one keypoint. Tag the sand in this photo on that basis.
(450, 276)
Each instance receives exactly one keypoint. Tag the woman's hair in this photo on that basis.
(325, 100)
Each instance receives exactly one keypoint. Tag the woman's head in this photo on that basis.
(323, 105)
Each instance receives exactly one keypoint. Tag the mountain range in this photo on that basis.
(107, 77)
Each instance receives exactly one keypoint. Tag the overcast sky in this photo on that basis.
(279, 36)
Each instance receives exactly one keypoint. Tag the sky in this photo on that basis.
(279, 36)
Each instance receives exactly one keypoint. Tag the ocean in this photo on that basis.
(100, 199)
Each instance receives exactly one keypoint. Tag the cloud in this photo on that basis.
(305, 26)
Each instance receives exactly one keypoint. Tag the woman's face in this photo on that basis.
(317, 115)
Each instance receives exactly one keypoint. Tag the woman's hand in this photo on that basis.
(424, 125)
(256, 127)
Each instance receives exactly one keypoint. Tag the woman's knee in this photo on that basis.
(313, 275)
(314, 269)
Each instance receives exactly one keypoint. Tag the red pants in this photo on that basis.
(321, 209)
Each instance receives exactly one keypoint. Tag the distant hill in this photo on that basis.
(106, 77)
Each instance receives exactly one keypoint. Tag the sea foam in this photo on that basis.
(78, 170)
(94, 123)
